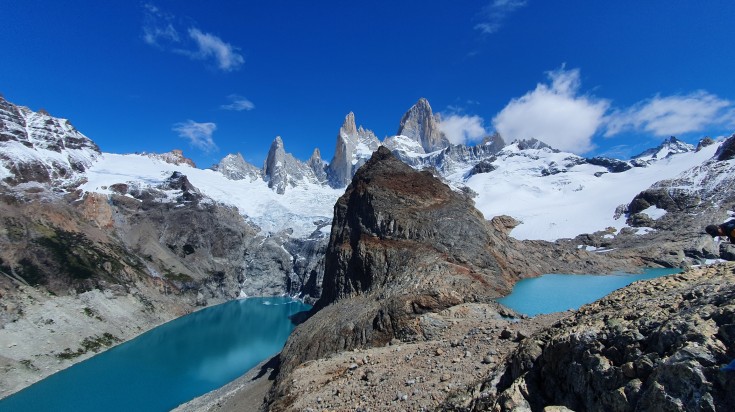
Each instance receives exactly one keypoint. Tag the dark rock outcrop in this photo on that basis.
(485, 166)
(612, 165)
(656, 345)
(727, 150)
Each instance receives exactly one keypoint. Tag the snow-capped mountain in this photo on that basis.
(554, 194)
(560, 195)
(669, 147)
(36, 148)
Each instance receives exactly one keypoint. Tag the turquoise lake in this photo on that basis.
(170, 364)
(557, 293)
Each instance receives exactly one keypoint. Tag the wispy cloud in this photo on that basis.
(238, 104)
(555, 113)
(158, 27)
(161, 30)
(673, 115)
(494, 14)
(198, 134)
(462, 129)
(210, 46)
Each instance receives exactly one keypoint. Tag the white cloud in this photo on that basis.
(209, 45)
(494, 14)
(198, 134)
(462, 129)
(160, 30)
(673, 115)
(238, 104)
(554, 113)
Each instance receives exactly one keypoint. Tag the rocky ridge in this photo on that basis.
(38, 148)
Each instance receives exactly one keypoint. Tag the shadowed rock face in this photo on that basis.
(396, 227)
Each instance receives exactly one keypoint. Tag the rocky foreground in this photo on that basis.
(656, 345)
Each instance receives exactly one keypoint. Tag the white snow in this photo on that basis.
(566, 204)
(654, 213)
(298, 208)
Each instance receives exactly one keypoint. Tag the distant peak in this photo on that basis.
(277, 142)
(316, 154)
(419, 124)
(349, 126)
(532, 143)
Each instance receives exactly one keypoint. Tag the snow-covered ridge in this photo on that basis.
(554, 194)
(297, 209)
(580, 198)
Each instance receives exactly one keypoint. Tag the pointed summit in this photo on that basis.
(274, 168)
(420, 124)
(354, 146)
(348, 126)
(281, 170)
(669, 147)
(317, 165)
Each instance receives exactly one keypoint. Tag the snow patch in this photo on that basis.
(654, 212)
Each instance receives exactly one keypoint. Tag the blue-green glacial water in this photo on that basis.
(170, 364)
(556, 293)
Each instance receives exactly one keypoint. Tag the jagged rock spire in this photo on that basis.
(420, 124)
(354, 146)
(317, 165)
(274, 167)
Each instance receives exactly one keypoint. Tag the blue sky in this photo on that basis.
(212, 78)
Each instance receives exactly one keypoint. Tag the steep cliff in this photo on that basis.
(353, 148)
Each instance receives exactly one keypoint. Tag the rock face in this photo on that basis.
(282, 170)
(175, 157)
(420, 125)
(395, 224)
(403, 244)
(234, 167)
(655, 345)
(354, 147)
(696, 198)
(317, 165)
(37, 147)
(727, 151)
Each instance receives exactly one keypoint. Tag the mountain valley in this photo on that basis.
(388, 240)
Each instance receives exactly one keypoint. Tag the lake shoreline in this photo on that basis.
(30, 346)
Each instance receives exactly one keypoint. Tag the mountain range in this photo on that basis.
(155, 236)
